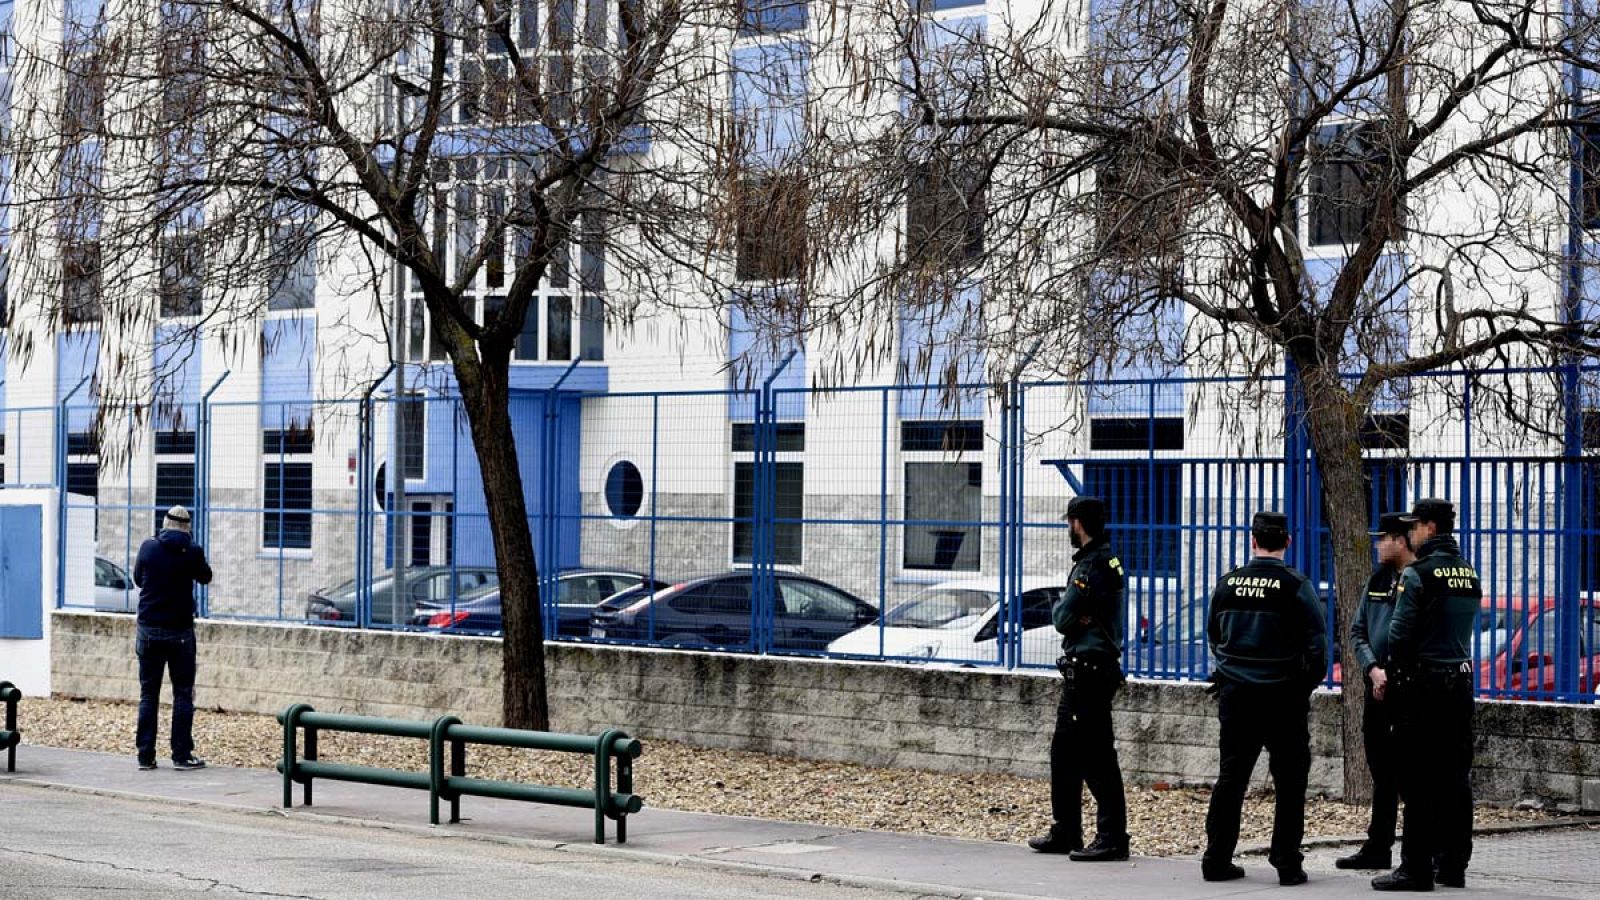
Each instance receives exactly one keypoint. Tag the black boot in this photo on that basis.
(1055, 842)
(1401, 880)
(1365, 858)
(1221, 871)
(1102, 850)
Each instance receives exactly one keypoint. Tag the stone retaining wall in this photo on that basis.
(946, 719)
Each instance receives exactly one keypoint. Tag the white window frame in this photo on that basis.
(959, 457)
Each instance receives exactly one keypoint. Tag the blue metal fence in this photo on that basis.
(915, 523)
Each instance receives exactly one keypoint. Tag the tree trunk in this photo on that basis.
(1334, 426)
(486, 394)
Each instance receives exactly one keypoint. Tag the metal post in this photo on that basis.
(61, 488)
(547, 543)
(764, 553)
(365, 476)
(202, 491)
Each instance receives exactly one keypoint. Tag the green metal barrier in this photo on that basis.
(10, 736)
(448, 732)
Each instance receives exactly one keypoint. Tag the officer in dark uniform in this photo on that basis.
(1430, 687)
(1083, 750)
(1269, 637)
(1369, 641)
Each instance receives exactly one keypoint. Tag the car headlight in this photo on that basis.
(926, 651)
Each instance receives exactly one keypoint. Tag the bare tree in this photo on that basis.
(180, 156)
(1354, 193)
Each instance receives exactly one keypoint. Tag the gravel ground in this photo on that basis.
(677, 776)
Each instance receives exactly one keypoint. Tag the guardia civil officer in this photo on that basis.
(1083, 751)
(1369, 641)
(1269, 638)
(1430, 687)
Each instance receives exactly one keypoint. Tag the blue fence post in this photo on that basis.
(62, 429)
(1003, 618)
(366, 466)
(202, 487)
(764, 553)
(1571, 546)
(549, 543)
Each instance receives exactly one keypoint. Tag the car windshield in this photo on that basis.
(939, 607)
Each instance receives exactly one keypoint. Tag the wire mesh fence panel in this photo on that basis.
(277, 510)
(669, 494)
(898, 522)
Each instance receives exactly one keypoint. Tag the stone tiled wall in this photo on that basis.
(959, 720)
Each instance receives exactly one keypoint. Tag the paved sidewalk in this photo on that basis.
(1559, 864)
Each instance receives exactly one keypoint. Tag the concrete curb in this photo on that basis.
(1344, 840)
(444, 832)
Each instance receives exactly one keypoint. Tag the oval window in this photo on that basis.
(624, 490)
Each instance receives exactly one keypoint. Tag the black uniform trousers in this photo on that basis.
(1084, 751)
(1377, 730)
(1256, 717)
(1433, 737)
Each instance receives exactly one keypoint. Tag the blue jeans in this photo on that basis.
(158, 649)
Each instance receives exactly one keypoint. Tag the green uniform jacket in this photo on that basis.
(1369, 631)
(1435, 606)
(1266, 626)
(1089, 614)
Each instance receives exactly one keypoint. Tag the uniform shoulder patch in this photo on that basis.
(1114, 563)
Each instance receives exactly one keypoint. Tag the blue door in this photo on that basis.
(21, 584)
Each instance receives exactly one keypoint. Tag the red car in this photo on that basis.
(1517, 643)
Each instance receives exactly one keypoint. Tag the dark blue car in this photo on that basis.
(577, 592)
(715, 611)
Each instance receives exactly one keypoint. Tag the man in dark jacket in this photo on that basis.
(1269, 637)
(1083, 750)
(1369, 641)
(169, 566)
(1430, 687)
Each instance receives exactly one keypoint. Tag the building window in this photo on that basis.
(286, 490)
(174, 487)
(468, 212)
(788, 495)
(1145, 503)
(945, 212)
(182, 261)
(1131, 433)
(1137, 215)
(943, 495)
(771, 226)
(1346, 164)
(80, 282)
(624, 490)
(293, 258)
(771, 16)
(413, 437)
(1588, 164)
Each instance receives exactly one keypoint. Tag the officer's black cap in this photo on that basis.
(1432, 509)
(1392, 523)
(1091, 511)
(1269, 522)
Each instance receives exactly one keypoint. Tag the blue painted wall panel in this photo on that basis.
(933, 348)
(21, 572)
(288, 353)
(176, 364)
(77, 353)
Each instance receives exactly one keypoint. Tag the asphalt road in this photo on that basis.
(56, 845)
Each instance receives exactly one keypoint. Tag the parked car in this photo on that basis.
(715, 611)
(1517, 645)
(113, 589)
(424, 584)
(958, 621)
(577, 593)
